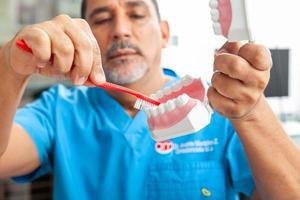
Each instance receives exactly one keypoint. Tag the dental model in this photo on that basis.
(231, 19)
(183, 110)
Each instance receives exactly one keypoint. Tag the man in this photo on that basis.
(99, 147)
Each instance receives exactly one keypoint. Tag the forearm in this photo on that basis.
(11, 90)
(273, 157)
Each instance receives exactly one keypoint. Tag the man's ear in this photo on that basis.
(165, 31)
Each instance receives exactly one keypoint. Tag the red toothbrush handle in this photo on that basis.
(22, 44)
(111, 86)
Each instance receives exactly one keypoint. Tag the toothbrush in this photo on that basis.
(231, 18)
(142, 102)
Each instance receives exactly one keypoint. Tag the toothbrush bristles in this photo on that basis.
(141, 104)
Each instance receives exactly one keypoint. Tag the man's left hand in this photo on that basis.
(241, 73)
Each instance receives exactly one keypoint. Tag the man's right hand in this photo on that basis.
(71, 43)
(76, 55)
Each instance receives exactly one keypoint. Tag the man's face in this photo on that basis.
(129, 35)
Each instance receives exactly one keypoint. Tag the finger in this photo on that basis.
(215, 82)
(221, 104)
(62, 49)
(89, 83)
(83, 59)
(257, 55)
(234, 89)
(238, 68)
(39, 42)
(97, 74)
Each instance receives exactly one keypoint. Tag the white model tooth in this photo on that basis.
(148, 112)
(186, 80)
(168, 90)
(178, 102)
(215, 15)
(217, 28)
(176, 87)
(161, 109)
(159, 94)
(213, 3)
(182, 100)
(170, 105)
(154, 111)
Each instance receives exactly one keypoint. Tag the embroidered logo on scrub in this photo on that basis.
(196, 146)
(164, 147)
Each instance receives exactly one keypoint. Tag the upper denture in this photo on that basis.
(195, 90)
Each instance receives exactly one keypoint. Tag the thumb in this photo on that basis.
(89, 83)
(230, 47)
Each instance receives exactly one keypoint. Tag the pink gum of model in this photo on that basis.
(225, 16)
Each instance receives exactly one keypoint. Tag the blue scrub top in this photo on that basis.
(95, 150)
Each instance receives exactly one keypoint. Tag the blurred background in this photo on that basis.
(190, 51)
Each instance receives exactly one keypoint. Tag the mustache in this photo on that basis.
(122, 44)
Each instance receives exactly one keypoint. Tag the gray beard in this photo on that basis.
(117, 76)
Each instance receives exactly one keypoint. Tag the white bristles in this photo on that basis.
(141, 104)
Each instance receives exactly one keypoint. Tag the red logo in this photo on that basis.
(164, 147)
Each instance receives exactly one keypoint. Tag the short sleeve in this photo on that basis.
(38, 120)
(240, 173)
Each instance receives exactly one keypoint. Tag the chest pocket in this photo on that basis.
(190, 180)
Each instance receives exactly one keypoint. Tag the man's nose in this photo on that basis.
(122, 28)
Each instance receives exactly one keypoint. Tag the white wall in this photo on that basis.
(276, 24)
